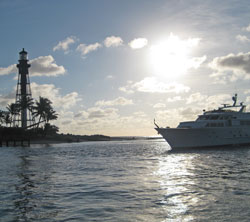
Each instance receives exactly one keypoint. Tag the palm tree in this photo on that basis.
(44, 111)
(50, 115)
(25, 103)
(1, 117)
(13, 109)
(40, 109)
(7, 118)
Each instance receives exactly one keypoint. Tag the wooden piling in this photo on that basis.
(14, 137)
(10, 142)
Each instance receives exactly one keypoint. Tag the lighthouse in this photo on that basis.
(23, 92)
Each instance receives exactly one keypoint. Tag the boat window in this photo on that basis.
(245, 122)
(215, 125)
(201, 118)
(214, 117)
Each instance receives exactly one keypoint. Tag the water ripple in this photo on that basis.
(123, 181)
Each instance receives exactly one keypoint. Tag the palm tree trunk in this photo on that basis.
(39, 121)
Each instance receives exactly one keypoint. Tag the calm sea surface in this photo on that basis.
(123, 181)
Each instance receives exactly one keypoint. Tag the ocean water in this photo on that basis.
(123, 181)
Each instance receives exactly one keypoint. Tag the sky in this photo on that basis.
(111, 67)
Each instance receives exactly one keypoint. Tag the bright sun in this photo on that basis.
(170, 58)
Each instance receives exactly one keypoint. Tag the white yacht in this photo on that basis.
(227, 125)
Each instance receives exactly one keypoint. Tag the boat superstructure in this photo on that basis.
(227, 125)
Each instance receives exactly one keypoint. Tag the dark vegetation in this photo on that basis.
(42, 130)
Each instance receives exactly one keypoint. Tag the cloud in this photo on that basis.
(7, 99)
(195, 98)
(8, 70)
(247, 91)
(93, 115)
(82, 114)
(152, 85)
(109, 77)
(113, 41)
(213, 102)
(138, 43)
(242, 38)
(51, 92)
(139, 114)
(247, 100)
(41, 66)
(247, 28)
(172, 117)
(64, 44)
(96, 120)
(45, 66)
(196, 62)
(239, 62)
(220, 78)
(174, 99)
(159, 105)
(238, 65)
(85, 49)
(120, 101)
(126, 89)
(96, 112)
(208, 102)
(188, 112)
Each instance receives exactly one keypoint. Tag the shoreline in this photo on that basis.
(17, 136)
(54, 141)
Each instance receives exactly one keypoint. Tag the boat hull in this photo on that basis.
(182, 138)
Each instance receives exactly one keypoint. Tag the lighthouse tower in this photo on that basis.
(23, 92)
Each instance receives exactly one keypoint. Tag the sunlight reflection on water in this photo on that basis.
(174, 174)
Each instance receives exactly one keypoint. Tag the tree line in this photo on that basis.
(41, 110)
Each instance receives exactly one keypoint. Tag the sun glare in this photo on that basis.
(170, 58)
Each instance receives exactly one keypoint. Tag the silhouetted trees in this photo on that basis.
(25, 103)
(1, 117)
(5, 118)
(50, 129)
(13, 110)
(42, 111)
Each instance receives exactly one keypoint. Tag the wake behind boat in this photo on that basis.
(227, 125)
